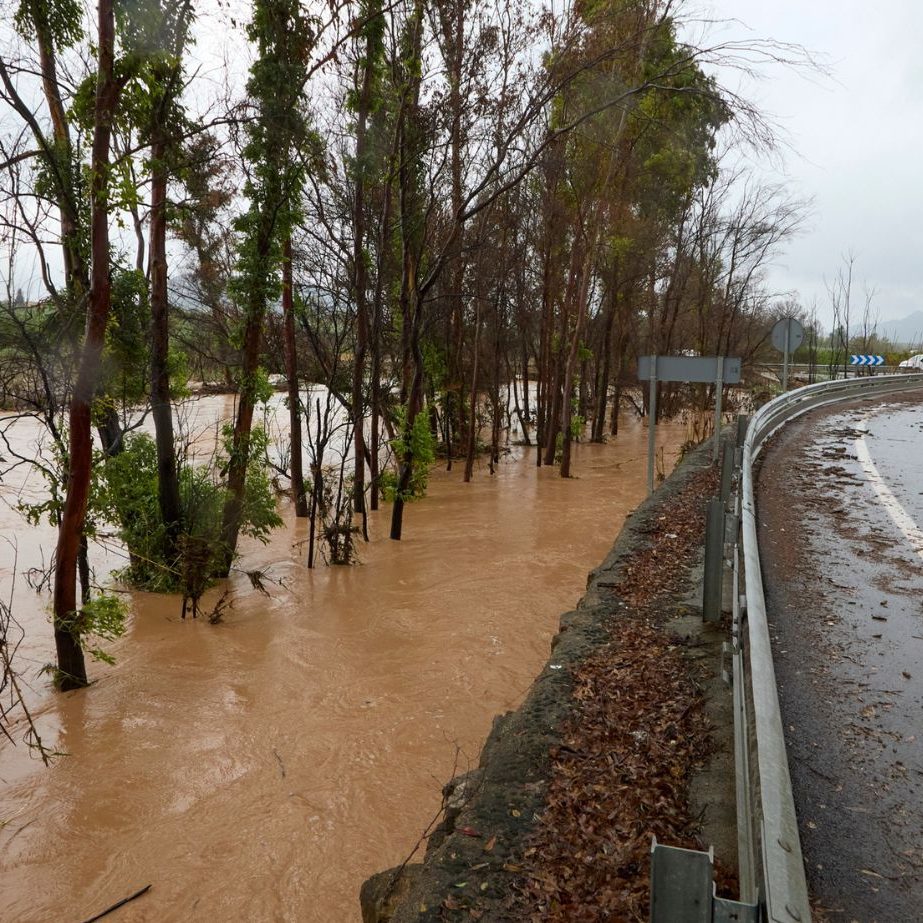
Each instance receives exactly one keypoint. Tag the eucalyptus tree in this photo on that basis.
(157, 34)
(284, 38)
(407, 74)
(71, 667)
(165, 125)
(365, 97)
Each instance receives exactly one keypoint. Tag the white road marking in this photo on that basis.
(899, 516)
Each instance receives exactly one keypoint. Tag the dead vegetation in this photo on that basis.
(637, 734)
(619, 776)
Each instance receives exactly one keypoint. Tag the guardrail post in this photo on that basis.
(743, 421)
(681, 885)
(727, 470)
(683, 889)
(714, 560)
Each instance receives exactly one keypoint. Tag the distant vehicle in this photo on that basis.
(914, 362)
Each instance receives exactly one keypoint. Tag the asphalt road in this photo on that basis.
(840, 512)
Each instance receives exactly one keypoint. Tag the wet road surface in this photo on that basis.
(840, 511)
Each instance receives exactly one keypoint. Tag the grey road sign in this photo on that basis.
(786, 337)
(690, 368)
(712, 369)
(795, 335)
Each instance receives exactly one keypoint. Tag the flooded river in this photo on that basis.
(260, 769)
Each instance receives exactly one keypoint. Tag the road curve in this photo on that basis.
(840, 519)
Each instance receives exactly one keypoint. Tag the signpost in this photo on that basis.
(718, 369)
(867, 360)
(787, 336)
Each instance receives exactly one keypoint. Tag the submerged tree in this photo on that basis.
(284, 38)
(482, 243)
(67, 617)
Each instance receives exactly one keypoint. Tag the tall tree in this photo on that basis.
(165, 46)
(411, 136)
(368, 66)
(284, 38)
(71, 666)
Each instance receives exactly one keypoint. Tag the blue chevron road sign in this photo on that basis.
(867, 360)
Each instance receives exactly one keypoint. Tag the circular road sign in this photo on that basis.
(795, 334)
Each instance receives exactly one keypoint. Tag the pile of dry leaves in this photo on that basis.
(638, 732)
(676, 537)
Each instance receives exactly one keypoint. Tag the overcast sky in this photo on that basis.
(857, 137)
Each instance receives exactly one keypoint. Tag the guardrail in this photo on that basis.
(773, 838)
(772, 879)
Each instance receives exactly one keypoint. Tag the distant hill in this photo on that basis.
(907, 331)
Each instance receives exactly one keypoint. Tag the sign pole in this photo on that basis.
(719, 387)
(651, 425)
(787, 335)
(788, 332)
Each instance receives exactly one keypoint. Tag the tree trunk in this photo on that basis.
(581, 294)
(291, 373)
(411, 246)
(360, 286)
(71, 665)
(75, 266)
(240, 446)
(161, 409)
(602, 391)
(472, 433)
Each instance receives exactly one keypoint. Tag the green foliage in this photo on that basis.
(128, 336)
(387, 484)
(179, 372)
(102, 619)
(371, 51)
(259, 516)
(284, 37)
(435, 365)
(128, 498)
(422, 448)
(61, 21)
(257, 386)
(51, 507)
(676, 123)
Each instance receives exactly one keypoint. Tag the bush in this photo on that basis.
(423, 448)
(128, 498)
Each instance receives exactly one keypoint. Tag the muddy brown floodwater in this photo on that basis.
(261, 768)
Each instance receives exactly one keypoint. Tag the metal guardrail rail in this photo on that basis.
(771, 864)
(773, 888)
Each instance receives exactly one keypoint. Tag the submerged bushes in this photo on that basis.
(128, 498)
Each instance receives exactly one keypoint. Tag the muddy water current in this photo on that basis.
(259, 769)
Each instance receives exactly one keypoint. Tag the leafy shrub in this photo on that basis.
(128, 497)
(423, 447)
